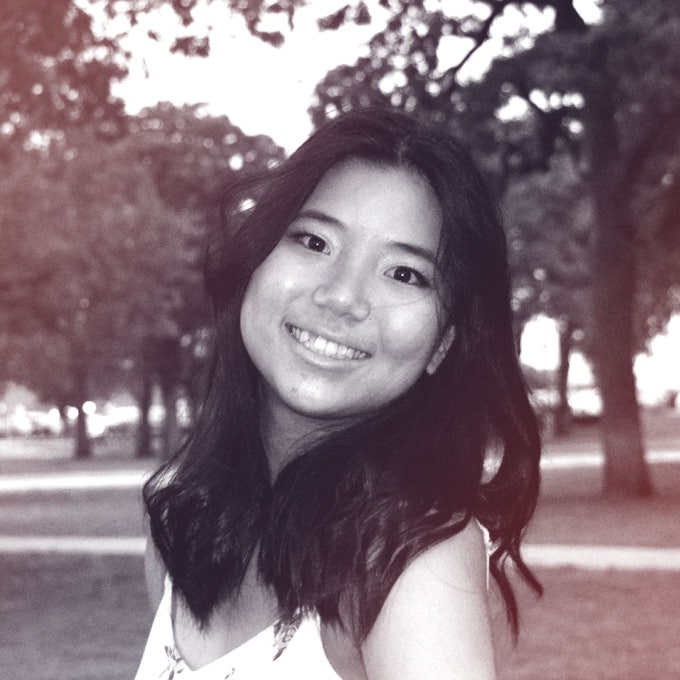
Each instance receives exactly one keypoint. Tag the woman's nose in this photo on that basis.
(344, 294)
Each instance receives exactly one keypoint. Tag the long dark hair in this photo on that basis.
(342, 520)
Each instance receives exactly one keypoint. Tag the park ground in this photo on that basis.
(83, 615)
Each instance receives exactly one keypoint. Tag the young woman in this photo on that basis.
(366, 454)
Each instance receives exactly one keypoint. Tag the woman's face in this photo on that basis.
(343, 317)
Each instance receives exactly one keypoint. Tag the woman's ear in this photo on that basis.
(440, 352)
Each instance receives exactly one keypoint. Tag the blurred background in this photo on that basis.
(122, 121)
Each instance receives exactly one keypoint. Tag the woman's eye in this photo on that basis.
(315, 243)
(408, 276)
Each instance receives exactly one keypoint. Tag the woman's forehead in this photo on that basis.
(396, 199)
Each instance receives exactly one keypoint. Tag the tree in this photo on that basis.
(88, 224)
(110, 237)
(605, 92)
(55, 72)
(548, 224)
(192, 158)
(58, 58)
(187, 40)
(631, 93)
(609, 94)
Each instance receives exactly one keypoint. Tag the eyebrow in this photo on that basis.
(418, 251)
(320, 217)
(411, 248)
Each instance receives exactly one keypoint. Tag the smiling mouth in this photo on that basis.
(324, 347)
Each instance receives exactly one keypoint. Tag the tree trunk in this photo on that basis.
(562, 412)
(613, 279)
(625, 471)
(170, 439)
(66, 425)
(143, 448)
(83, 443)
(167, 356)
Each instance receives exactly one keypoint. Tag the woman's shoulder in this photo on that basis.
(435, 620)
(460, 561)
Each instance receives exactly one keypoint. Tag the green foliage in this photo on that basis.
(192, 157)
(99, 252)
(54, 71)
(603, 97)
(100, 273)
(607, 97)
(551, 75)
(193, 43)
(548, 223)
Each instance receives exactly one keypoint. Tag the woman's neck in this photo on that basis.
(283, 434)
(286, 433)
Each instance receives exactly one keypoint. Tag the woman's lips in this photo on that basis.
(325, 347)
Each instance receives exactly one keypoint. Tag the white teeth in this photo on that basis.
(327, 348)
(331, 349)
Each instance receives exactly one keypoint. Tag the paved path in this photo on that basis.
(595, 557)
(570, 461)
(72, 481)
(132, 478)
(76, 545)
(602, 557)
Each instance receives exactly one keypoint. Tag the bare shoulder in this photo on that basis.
(459, 561)
(435, 621)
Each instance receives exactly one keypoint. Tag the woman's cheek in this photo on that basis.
(410, 331)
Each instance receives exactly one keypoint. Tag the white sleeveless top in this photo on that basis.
(276, 653)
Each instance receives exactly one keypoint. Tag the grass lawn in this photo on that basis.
(107, 512)
(55, 454)
(598, 626)
(81, 618)
(86, 617)
(71, 618)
